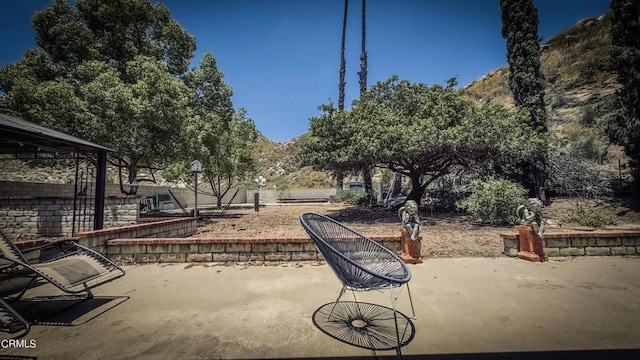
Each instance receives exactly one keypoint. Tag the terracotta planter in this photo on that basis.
(410, 248)
(531, 244)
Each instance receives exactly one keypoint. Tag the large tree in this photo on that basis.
(112, 31)
(233, 156)
(625, 36)
(329, 137)
(419, 131)
(33, 90)
(107, 72)
(142, 119)
(527, 84)
(222, 139)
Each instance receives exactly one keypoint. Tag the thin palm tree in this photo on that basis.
(362, 80)
(362, 75)
(343, 63)
(339, 174)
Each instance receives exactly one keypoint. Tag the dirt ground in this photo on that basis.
(444, 235)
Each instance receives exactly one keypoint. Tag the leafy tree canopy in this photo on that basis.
(220, 137)
(115, 32)
(106, 72)
(420, 131)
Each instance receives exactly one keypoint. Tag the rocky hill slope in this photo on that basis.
(580, 91)
(279, 165)
(577, 67)
(579, 98)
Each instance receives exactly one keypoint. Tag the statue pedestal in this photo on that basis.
(531, 245)
(410, 248)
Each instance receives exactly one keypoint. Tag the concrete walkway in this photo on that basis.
(467, 308)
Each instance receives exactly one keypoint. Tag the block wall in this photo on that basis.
(27, 217)
(581, 243)
(222, 249)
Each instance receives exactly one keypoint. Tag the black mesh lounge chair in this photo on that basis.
(12, 322)
(360, 263)
(72, 268)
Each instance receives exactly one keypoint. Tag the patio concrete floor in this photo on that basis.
(467, 308)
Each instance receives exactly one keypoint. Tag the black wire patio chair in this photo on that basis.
(360, 264)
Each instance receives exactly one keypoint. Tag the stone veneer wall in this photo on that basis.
(581, 243)
(222, 249)
(27, 217)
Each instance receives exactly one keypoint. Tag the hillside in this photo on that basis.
(278, 164)
(576, 65)
(580, 90)
(579, 98)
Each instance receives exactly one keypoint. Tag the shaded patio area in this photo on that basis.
(467, 308)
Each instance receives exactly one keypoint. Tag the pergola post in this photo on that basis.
(101, 176)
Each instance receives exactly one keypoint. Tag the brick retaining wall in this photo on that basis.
(222, 249)
(582, 243)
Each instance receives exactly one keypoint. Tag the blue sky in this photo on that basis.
(282, 56)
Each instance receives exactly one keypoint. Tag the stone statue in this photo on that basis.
(531, 215)
(410, 220)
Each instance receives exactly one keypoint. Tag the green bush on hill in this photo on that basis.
(494, 201)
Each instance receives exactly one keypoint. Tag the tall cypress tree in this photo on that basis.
(625, 37)
(520, 29)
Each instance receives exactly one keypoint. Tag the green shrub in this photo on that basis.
(588, 216)
(494, 201)
(445, 197)
(352, 197)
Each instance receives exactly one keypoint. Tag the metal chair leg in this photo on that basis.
(344, 288)
(395, 320)
(413, 311)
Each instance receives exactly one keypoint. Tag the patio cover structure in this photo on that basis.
(23, 138)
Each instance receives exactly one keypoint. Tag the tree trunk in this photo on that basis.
(368, 186)
(133, 170)
(339, 175)
(397, 184)
(132, 173)
(416, 188)
(219, 202)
